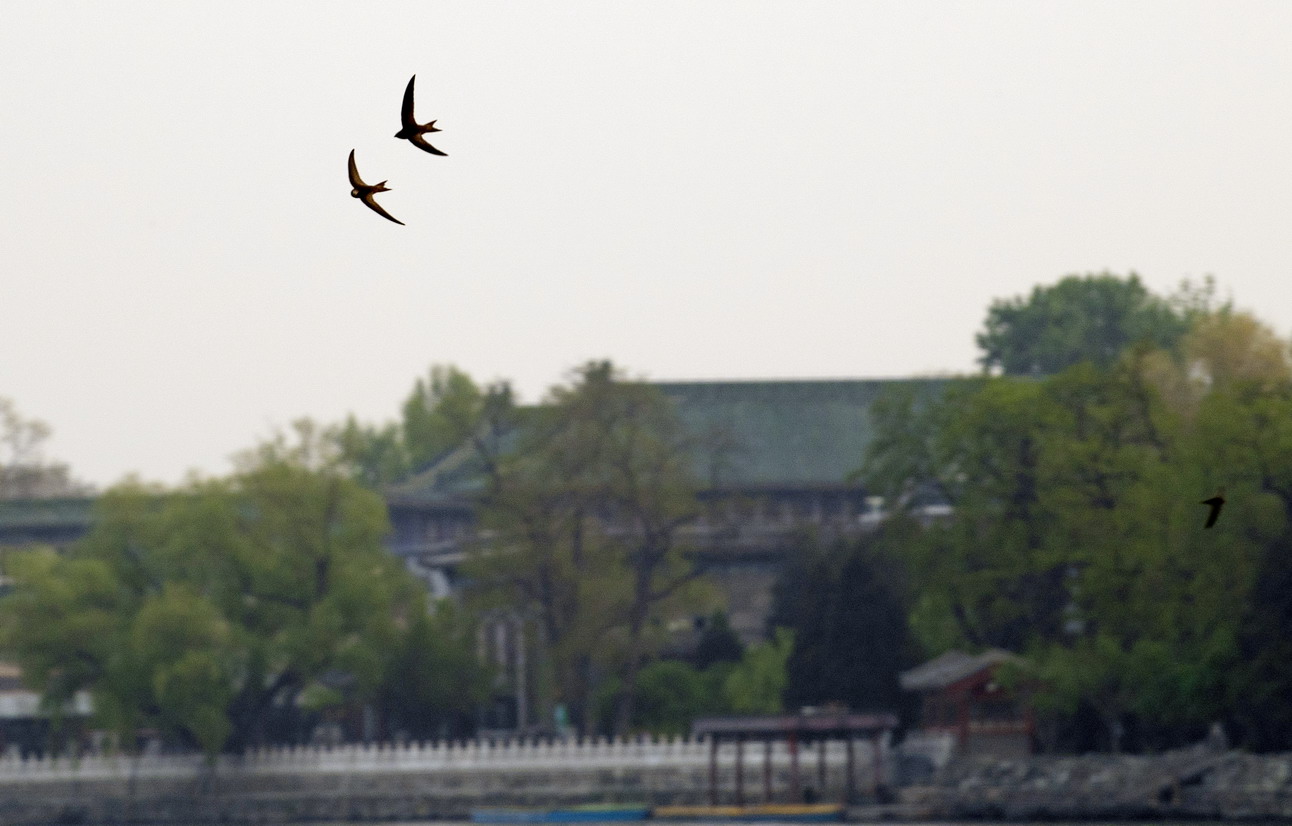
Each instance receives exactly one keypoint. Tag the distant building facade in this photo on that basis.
(780, 459)
(56, 521)
(24, 725)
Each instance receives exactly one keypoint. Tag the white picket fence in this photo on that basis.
(466, 756)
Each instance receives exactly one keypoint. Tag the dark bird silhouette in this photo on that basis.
(1216, 503)
(413, 131)
(367, 193)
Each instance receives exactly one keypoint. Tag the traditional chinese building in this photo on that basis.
(777, 458)
(969, 707)
(53, 521)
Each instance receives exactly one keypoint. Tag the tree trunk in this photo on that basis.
(638, 614)
(628, 695)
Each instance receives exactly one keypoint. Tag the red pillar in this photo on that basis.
(962, 721)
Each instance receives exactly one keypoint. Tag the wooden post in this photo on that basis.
(962, 722)
(767, 770)
(713, 769)
(740, 769)
(877, 760)
(820, 767)
(796, 793)
(522, 690)
(848, 785)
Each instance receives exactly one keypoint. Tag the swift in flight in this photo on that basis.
(367, 193)
(1215, 503)
(413, 131)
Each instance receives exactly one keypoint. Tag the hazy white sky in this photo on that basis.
(693, 189)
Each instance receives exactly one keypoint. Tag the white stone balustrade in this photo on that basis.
(469, 756)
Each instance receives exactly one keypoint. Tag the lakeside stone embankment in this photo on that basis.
(1187, 784)
(416, 782)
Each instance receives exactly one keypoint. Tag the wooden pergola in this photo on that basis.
(794, 729)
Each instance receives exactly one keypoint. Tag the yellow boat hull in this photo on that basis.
(801, 812)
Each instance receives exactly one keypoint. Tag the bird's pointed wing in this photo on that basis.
(376, 207)
(1212, 516)
(355, 180)
(406, 113)
(1215, 503)
(421, 143)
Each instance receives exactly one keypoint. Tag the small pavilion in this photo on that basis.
(963, 697)
(796, 730)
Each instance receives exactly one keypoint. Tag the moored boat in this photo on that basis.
(779, 812)
(591, 813)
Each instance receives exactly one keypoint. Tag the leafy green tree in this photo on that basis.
(1081, 318)
(443, 411)
(1077, 531)
(1077, 535)
(374, 455)
(25, 473)
(1232, 348)
(435, 684)
(670, 695)
(1245, 441)
(1182, 617)
(903, 450)
(756, 685)
(988, 578)
(440, 413)
(583, 514)
(209, 610)
(1265, 656)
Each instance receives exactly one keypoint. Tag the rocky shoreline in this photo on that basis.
(1192, 784)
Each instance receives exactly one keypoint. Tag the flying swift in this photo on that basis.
(413, 131)
(367, 193)
(1215, 503)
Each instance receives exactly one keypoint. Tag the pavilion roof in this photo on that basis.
(952, 667)
(799, 724)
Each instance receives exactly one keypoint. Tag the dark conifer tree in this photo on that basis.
(718, 643)
(1264, 713)
(850, 624)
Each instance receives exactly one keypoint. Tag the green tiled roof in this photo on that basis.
(790, 433)
(777, 433)
(69, 512)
